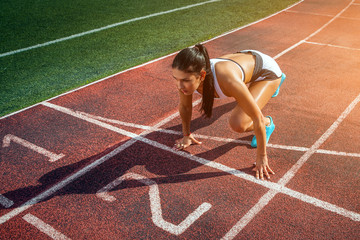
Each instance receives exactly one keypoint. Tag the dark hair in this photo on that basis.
(193, 60)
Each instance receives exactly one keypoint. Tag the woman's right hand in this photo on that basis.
(185, 142)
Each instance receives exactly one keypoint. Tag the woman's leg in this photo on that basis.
(262, 92)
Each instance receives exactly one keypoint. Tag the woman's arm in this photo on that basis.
(233, 86)
(185, 110)
(244, 99)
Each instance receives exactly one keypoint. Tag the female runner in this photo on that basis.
(249, 76)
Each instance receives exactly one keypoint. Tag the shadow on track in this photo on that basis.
(170, 167)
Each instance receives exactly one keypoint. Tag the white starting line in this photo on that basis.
(47, 193)
(44, 227)
(276, 187)
(218, 139)
(265, 199)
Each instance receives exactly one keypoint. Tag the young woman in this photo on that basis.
(249, 76)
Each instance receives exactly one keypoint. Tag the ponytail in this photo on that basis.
(193, 60)
(208, 88)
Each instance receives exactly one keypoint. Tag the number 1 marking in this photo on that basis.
(5, 201)
(52, 156)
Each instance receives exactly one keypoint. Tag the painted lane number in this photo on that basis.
(52, 156)
(155, 204)
(12, 138)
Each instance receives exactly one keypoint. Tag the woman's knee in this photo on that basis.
(239, 125)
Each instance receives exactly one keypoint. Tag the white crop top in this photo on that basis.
(216, 83)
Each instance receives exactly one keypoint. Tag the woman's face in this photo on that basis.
(187, 83)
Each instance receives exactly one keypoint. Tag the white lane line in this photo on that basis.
(323, 15)
(44, 227)
(291, 173)
(218, 139)
(104, 28)
(331, 45)
(289, 49)
(345, 154)
(88, 85)
(246, 219)
(350, 18)
(155, 204)
(147, 63)
(260, 20)
(274, 186)
(242, 223)
(314, 33)
(329, 22)
(5, 201)
(310, 13)
(52, 156)
(47, 193)
(81, 172)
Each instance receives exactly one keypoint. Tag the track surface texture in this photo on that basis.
(98, 163)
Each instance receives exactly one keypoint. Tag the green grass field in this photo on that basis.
(38, 74)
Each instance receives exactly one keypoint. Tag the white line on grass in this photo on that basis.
(147, 63)
(104, 28)
(276, 187)
(300, 196)
(87, 85)
(44, 227)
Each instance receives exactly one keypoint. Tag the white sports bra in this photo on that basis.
(216, 83)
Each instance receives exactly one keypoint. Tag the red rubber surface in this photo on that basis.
(320, 201)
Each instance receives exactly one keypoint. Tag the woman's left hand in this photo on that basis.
(185, 142)
(262, 167)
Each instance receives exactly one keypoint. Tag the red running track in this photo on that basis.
(89, 165)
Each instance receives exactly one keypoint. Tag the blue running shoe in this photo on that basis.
(283, 76)
(269, 130)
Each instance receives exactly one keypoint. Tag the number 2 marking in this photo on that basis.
(155, 204)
